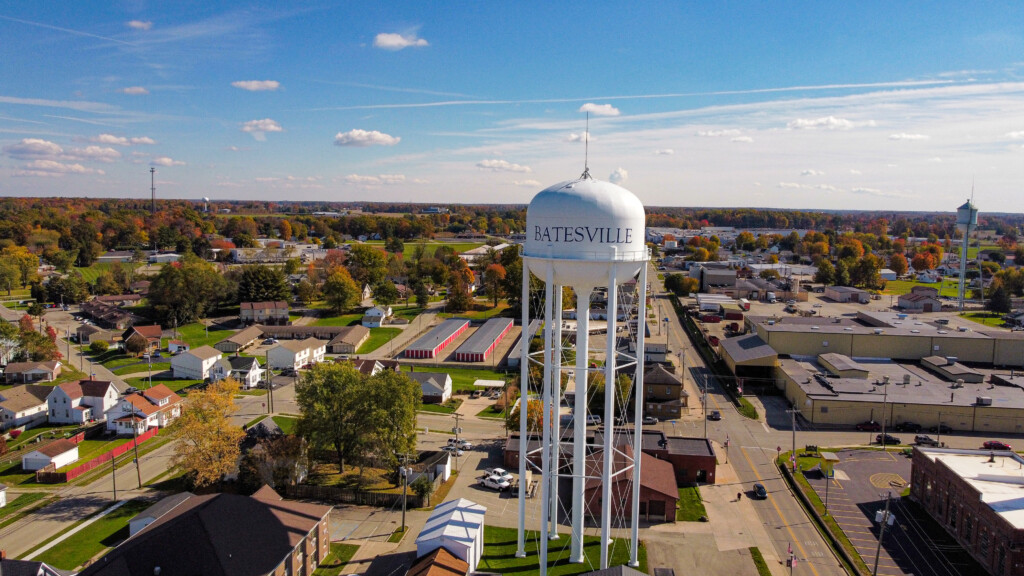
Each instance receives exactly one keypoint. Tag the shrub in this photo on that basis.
(99, 347)
(14, 434)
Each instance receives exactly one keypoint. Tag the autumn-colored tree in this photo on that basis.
(494, 276)
(285, 229)
(923, 261)
(898, 263)
(25, 324)
(459, 298)
(207, 446)
(534, 416)
(136, 344)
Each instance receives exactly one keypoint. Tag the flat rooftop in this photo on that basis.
(997, 476)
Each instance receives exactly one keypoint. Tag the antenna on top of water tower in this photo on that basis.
(152, 190)
(586, 150)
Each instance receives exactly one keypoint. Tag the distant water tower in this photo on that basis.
(590, 236)
(966, 222)
(206, 203)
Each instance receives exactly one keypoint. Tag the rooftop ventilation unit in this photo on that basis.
(983, 401)
(879, 331)
(906, 379)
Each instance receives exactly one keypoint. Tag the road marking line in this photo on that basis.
(781, 515)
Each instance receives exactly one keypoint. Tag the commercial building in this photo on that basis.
(431, 344)
(348, 340)
(847, 294)
(975, 496)
(516, 351)
(483, 342)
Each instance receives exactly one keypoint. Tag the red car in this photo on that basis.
(870, 426)
(996, 445)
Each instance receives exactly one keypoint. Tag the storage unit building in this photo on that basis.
(440, 337)
(483, 342)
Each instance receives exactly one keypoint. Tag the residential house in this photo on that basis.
(30, 568)
(57, 453)
(246, 371)
(367, 292)
(664, 397)
(348, 340)
(164, 257)
(457, 526)
(887, 274)
(240, 340)
(432, 464)
(80, 401)
(371, 367)
(153, 407)
(107, 314)
(376, 316)
(25, 372)
(224, 535)
(273, 313)
(87, 334)
(119, 299)
(152, 333)
(929, 277)
(295, 354)
(198, 364)
(178, 346)
(437, 386)
(23, 406)
(140, 287)
(440, 562)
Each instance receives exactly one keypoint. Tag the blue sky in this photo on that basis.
(832, 105)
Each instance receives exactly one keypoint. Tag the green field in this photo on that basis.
(195, 335)
(691, 505)
(462, 378)
(142, 383)
(500, 546)
(410, 247)
(93, 272)
(899, 287)
(89, 449)
(343, 320)
(409, 313)
(992, 319)
(102, 534)
(142, 367)
(378, 337)
(285, 423)
(20, 502)
(490, 412)
(336, 560)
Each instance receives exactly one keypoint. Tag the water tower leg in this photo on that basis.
(609, 418)
(579, 434)
(524, 373)
(556, 394)
(545, 453)
(638, 403)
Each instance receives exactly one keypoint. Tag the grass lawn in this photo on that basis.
(255, 421)
(141, 367)
(987, 318)
(409, 314)
(21, 502)
(86, 544)
(89, 449)
(758, 558)
(30, 434)
(397, 535)
(500, 554)
(480, 311)
(747, 409)
(343, 320)
(691, 507)
(463, 378)
(898, 287)
(142, 382)
(442, 491)
(336, 560)
(409, 248)
(68, 373)
(91, 273)
(195, 335)
(378, 337)
(12, 474)
(286, 423)
(448, 407)
(491, 412)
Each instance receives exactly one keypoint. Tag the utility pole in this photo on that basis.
(152, 189)
(457, 431)
(135, 438)
(885, 399)
(403, 469)
(113, 474)
(881, 534)
(705, 403)
(792, 413)
(270, 384)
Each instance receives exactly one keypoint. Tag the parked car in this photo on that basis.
(925, 440)
(941, 428)
(649, 420)
(907, 427)
(500, 473)
(996, 445)
(593, 419)
(715, 415)
(887, 439)
(869, 426)
(760, 491)
(495, 483)
(463, 444)
(131, 390)
(453, 449)
(475, 394)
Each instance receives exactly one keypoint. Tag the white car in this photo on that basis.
(464, 444)
(593, 419)
(453, 449)
(500, 473)
(495, 483)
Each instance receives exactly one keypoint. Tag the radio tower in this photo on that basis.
(152, 190)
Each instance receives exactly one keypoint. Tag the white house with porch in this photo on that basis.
(80, 401)
(153, 407)
(198, 364)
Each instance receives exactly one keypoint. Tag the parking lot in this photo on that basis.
(914, 544)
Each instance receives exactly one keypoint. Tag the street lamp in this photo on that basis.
(883, 518)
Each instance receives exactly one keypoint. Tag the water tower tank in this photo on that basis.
(966, 216)
(581, 226)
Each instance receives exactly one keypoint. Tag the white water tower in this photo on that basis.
(587, 235)
(966, 222)
(206, 203)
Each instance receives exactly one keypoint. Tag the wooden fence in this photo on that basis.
(49, 475)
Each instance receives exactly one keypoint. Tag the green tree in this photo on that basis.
(36, 309)
(681, 285)
(70, 289)
(394, 245)
(330, 399)
(898, 263)
(189, 291)
(494, 278)
(62, 260)
(385, 293)
(37, 347)
(341, 291)
(534, 416)
(258, 283)
(306, 291)
(769, 274)
(366, 264)
(842, 277)
(459, 298)
(999, 299)
(98, 346)
(293, 265)
(422, 487)
(136, 344)
(422, 294)
(9, 275)
(826, 273)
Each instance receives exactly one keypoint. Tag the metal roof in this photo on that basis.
(438, 334)
(747, 348)
(484, 336)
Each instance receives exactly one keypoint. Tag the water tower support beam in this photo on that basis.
(579, 419)
(545, 453)
(609, 417)
(556, 394)
(638, 403)
(524, 373)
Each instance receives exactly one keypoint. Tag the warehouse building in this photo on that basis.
(483, 342)
(440, 337)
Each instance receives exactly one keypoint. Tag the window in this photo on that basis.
(983, 541)
(954, 511)
(824, 409)
(668, 391)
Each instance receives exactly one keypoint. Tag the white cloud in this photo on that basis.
(363, 138)
(259, 128)
(165, 161)
(664, 152)
(391, 41)
(392, 178)
(52, 167)
(828, 188)
(496, 165)
(112, 140)
(381, 179)
(619, 176)
(526, 183)
(789, 185)
(574, 137)
(812, 172)
(934, 160)
(600, 109)
(855, 172)
(746, 139)
(265, 179)
(1016, 135)
(826, 123)
(717, 133)
(134, 90)
(257, 85)
(905, 136)
(33, 148)
(880, 193)
(139, 24)
(362, 180)
(95, 153)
